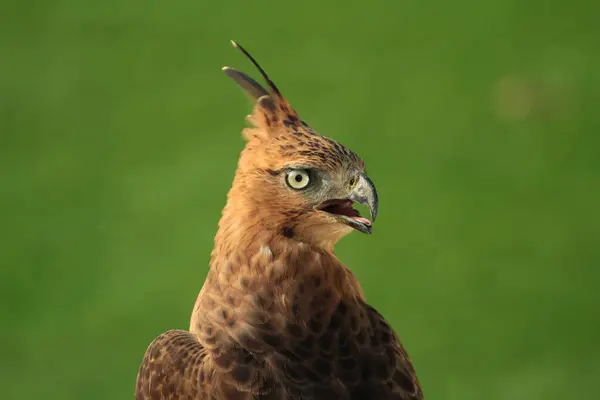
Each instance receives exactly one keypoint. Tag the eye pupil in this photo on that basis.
(298, 178)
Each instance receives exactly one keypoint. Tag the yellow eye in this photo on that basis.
(298, 179)
(353, 181)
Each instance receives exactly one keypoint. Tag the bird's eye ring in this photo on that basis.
(298, 179)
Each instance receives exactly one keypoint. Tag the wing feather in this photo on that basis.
(334, 347)
(174, 367)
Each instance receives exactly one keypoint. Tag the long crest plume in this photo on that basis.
(257, 65)
(271, 107)
(250, 86)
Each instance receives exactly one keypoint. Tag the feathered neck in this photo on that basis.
(242, 228)
(247, 237)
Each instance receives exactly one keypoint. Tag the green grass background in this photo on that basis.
(119, 136)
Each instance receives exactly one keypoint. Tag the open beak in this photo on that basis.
(364, 192)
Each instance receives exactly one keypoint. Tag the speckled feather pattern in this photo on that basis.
(279, 315)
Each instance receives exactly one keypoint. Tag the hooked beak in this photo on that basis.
(364, 192)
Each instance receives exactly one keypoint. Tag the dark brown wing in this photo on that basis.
(387, 371)
(338, 349)
(173, 367)
(176, 366)
(351, 354)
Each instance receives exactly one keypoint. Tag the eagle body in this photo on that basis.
(279, 315)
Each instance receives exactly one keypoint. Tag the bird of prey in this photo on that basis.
(279, 315)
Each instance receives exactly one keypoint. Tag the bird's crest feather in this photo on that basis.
(271, 108)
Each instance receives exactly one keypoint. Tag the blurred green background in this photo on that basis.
(119, 137)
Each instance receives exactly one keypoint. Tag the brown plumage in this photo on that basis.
(280, 316)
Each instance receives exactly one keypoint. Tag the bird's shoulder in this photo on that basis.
(349, 352)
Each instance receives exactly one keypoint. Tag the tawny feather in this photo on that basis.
(279, 316)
